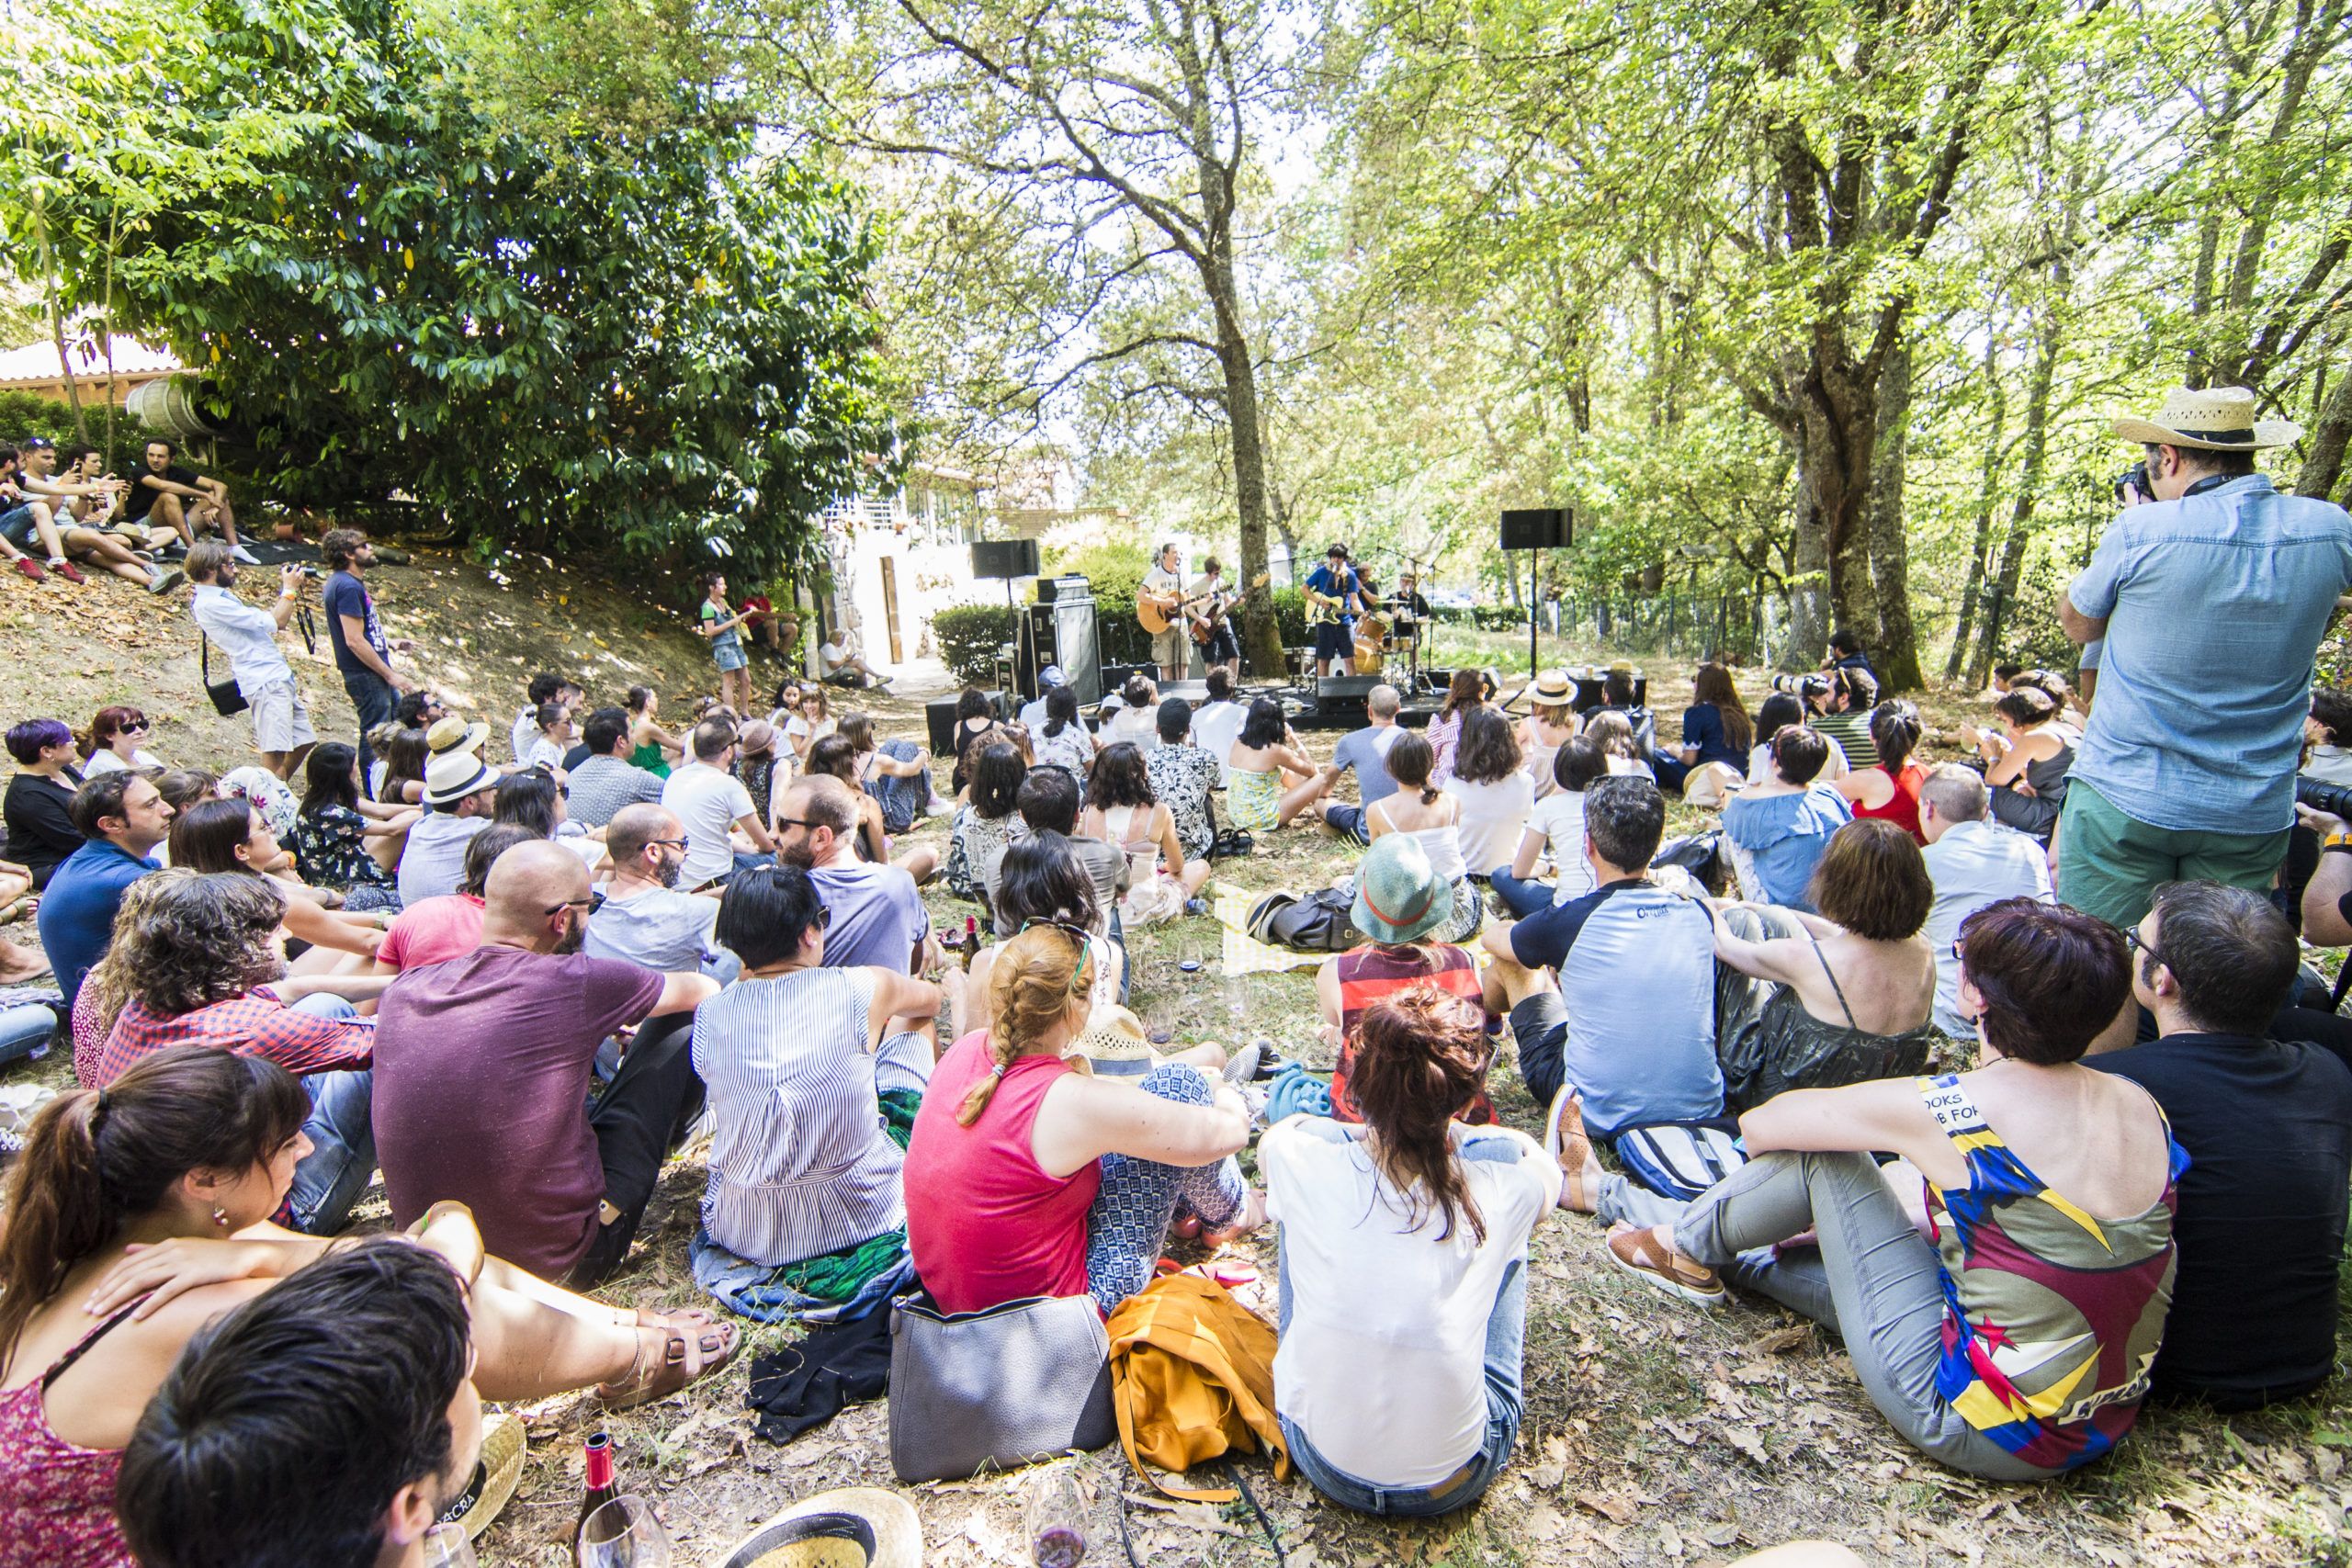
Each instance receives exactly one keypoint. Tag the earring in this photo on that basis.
(219, 1216)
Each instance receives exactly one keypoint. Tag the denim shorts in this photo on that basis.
(730, 656)
(18, 526)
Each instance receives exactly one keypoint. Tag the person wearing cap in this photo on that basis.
(1333, 588)
(247, 636)
(1033, 714)
(2211, 599)
(460, 794)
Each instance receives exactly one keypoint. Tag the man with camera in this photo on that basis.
(248, 636)
(2211, 599)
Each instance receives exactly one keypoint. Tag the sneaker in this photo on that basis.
(243, 556)
(67, 569)
(30, 568)
(1196, 906)
(171, 577)
(1635, 1249)
(1241, 1068)
(1270, 1062)
(176, 550)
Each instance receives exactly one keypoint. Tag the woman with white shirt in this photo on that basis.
(1135, 721)
(554, 739)
(1433, 817)
(810, 722)
(1550, 724)
(114, 740)
(1496, 795)
(1557, 825)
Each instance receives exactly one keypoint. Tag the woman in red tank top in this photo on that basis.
(1028, 1177)
(1890, 792)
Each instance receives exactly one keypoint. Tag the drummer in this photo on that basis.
(1410, 606)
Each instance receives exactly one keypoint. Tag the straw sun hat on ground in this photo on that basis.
(495, 1481)
(1115, 1045)
(857, 1526)
(2219, 419)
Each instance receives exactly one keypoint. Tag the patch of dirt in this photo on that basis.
(1654, 1434)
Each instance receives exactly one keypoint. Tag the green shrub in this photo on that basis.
(968, 637)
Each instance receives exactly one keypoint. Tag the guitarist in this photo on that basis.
(1331, 591)
(1163, 588)
(1213, 625)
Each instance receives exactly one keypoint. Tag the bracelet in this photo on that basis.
(2337, 842)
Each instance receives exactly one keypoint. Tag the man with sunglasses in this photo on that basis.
(483, 1067)
(878, 917)
(644, 918)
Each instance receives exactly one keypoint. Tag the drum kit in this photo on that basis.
(1390, 631)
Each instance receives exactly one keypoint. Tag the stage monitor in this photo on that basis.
(1004, 558)
(1537, 528)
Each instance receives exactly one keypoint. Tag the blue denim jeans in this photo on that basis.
(374, 700)
(1525, 898)
(25, 1031)
(1506, 1404)
(1349, 819)
(342, 1160)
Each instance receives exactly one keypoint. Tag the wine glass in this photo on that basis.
(623, 1533)
(1054, 1517)
(448, 1546)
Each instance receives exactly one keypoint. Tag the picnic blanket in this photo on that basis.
(1243, 953)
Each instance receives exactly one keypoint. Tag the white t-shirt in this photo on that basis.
(1493, 816)
(709, 801)
(105, 761)
(1216, 726)
(1138, 728)
(1559, 817)
(544, 753)
(526, 730)
(1369, 1291)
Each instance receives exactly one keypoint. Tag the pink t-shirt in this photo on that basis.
(435, 929)
(986, 1223)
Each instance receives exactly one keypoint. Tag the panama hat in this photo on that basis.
(454, 775)
(1115, 1045)
(856, 1527)
(477, 1507)
(1551, 686)
(1399, 895)
(2219, 419)
(449, 733)
(756, 736)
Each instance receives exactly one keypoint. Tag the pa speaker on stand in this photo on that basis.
(1533, 528)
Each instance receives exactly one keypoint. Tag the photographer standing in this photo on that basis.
(248, 636)
(2212, 600)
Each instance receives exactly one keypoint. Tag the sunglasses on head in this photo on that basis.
(1078, 933)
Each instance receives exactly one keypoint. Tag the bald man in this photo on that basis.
(644, 918)
(483, 1067)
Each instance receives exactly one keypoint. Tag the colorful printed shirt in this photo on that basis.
(2052, 1318)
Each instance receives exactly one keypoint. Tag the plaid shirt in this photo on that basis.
(255, 1024)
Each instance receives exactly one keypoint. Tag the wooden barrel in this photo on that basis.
(168, 404)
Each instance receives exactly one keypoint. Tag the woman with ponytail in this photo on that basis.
(136, 1214)
(1027, 1175)
(1404, 1258)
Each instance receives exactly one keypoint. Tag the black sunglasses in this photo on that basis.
(594, 902)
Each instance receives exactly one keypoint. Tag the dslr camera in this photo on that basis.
(1804, 687)
(2335, 799)
(2136, 477)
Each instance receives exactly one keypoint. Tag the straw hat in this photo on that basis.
(857, 1526)
(1553, 686)
(1399, 895)
(454, 775)
(756, 736)
(494, 1484)
(1114, 1044)
(2219, 419)
(449, 733)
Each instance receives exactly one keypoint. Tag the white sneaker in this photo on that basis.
(239, 553)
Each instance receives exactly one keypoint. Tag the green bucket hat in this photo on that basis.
(1399, 895)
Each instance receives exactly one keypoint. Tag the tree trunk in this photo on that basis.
(1898, 645)
(2003, 595)
(1987, 478)
(1262, 640)
(57, 324)
(2323, 468)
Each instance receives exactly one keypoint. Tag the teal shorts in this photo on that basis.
(2111, 865)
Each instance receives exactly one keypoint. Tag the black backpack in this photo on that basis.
(1317, 924)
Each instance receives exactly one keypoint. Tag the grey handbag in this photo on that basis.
(996, 1389)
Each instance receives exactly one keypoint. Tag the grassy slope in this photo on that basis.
(1653, 1435)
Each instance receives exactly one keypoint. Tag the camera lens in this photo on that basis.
(2335, 799)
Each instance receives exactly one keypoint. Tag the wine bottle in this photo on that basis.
(971, 940)
(598, 1486)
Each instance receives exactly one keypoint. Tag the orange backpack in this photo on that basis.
(1192, 1378)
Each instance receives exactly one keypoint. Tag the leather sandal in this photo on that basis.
(1565, 1140)
(668, 1360)
(1637, 1250)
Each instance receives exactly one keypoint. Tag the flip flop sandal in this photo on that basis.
(683, 1359)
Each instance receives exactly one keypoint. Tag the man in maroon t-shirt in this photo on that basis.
(483, 1067)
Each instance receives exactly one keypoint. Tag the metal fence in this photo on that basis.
(1748, 628)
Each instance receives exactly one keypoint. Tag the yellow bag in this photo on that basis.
(1192, 1378)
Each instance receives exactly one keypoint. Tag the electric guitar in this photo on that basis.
(1330, 610)
(1205, 626)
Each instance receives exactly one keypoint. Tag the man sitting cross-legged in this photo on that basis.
(482, 1070)
(644, 918)
(1365, 750)
(182, 500)
(2268, 1124)
(1629, 1028)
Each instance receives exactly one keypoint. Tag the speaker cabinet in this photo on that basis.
(1061, 633)
(1536, 528)
(939, 717)
(1004, 558)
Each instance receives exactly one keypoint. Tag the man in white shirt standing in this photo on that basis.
(247, 634)
(1164, 585)
(711, 802)
(1973, 862)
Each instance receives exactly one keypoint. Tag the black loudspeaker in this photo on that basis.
(1115, 676)
(1344, 689)
(939, 717)
(1537, 528)
(1004, 558)
(1061, 633)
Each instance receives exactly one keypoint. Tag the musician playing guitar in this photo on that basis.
(1156, 606)
(1212, 623)
(1331, 589)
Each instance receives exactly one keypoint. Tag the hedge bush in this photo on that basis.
(968, 637)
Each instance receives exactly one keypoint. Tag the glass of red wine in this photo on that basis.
(1054, 1517)
(624, 1533)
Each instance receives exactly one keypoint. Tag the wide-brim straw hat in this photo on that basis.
(2219, 419)
(502, 1470)
(449, 733)
(455, 776)
(1399, 894)
(1116, 1043)
(856, 1527)
(1553, 686)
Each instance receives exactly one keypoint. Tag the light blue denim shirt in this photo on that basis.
(2214, 605)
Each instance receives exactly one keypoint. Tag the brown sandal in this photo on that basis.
(683, 1355)
(1568, 1143)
